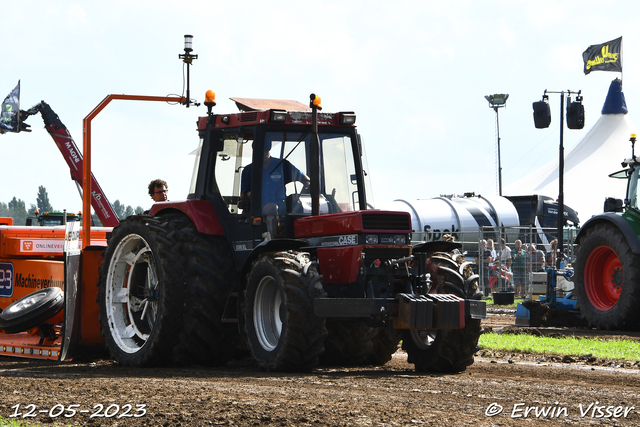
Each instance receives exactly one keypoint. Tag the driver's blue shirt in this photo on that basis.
(274, 177)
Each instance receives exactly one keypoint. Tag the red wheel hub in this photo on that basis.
(603, 278)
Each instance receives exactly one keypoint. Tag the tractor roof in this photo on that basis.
(256, 104)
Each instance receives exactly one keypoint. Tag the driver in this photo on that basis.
(276, 173)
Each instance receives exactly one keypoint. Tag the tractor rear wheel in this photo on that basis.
(607, 279)
(385, 344)
(281, 330)
(355, 343)
(211, 275)
(142, 290)
(348, 343)
(446, 350)
(162, 291)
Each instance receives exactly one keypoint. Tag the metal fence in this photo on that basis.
(522, 267)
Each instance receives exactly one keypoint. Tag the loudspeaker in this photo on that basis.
(575, 115)
(541, 114)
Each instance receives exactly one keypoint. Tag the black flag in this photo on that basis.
(10, 111)
(603, 57)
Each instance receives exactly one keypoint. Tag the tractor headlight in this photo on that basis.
(371, 239)
(399, 239)
(347, 118)
(278, 116)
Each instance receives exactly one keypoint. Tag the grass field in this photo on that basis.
(571, 346)
(10, 422)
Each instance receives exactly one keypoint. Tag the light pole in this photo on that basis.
(575, 120)
(496, 101)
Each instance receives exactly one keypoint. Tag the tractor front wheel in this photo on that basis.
(281, 330)
(446, 350)
(607, 279)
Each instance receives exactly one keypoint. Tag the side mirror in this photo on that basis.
(613, 205)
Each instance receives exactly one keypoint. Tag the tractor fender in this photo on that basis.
(200, 212)
(270, 246)
(617, 221)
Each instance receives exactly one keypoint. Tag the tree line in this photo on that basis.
(17, 209)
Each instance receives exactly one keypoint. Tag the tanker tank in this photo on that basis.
(468, 218)
(462, 217)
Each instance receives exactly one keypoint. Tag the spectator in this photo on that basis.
(535, 259)
(505, 253)
(493, 252)
(482, 259)
(519, 268)
(553, 254)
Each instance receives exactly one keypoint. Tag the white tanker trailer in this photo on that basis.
(510, 217)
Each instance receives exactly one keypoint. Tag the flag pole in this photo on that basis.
(621, 44)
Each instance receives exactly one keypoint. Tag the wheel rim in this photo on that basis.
(422, 338)
(27, 302)
(132, 293)
(603, 278)
(266, 313)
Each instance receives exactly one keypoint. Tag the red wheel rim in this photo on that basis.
(603, 278)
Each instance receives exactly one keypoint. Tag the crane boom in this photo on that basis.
(65, 143)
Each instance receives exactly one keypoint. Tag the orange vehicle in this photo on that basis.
(44, 289)
(32, 282)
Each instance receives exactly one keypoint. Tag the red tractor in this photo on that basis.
(276, 252)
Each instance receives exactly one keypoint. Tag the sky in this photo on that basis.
(415, 72)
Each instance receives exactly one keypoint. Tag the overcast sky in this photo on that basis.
(415, 73)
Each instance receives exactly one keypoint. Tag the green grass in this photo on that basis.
(490, 303)
(14, 422)
(571, 346)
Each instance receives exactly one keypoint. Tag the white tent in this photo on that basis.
(587, 166)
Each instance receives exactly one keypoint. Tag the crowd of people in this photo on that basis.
(507, 268)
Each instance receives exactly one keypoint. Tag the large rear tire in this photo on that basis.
(348, 343)
(355, 343)
(141, 294)
(205, 339)
(446, 350)
(162, 286)
(282, 332)
(607, 279)
(385, 344)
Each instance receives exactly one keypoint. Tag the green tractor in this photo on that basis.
(607, 267)
(52, 219)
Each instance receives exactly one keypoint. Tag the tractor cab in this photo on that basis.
(53, 219)
(632, 174)
(263, 167)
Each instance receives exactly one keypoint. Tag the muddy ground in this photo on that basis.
(498, 390)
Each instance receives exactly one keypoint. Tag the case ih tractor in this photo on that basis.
(607, 267)
(273, 253)
(291, 265)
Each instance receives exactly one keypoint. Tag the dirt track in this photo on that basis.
(392, 395)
